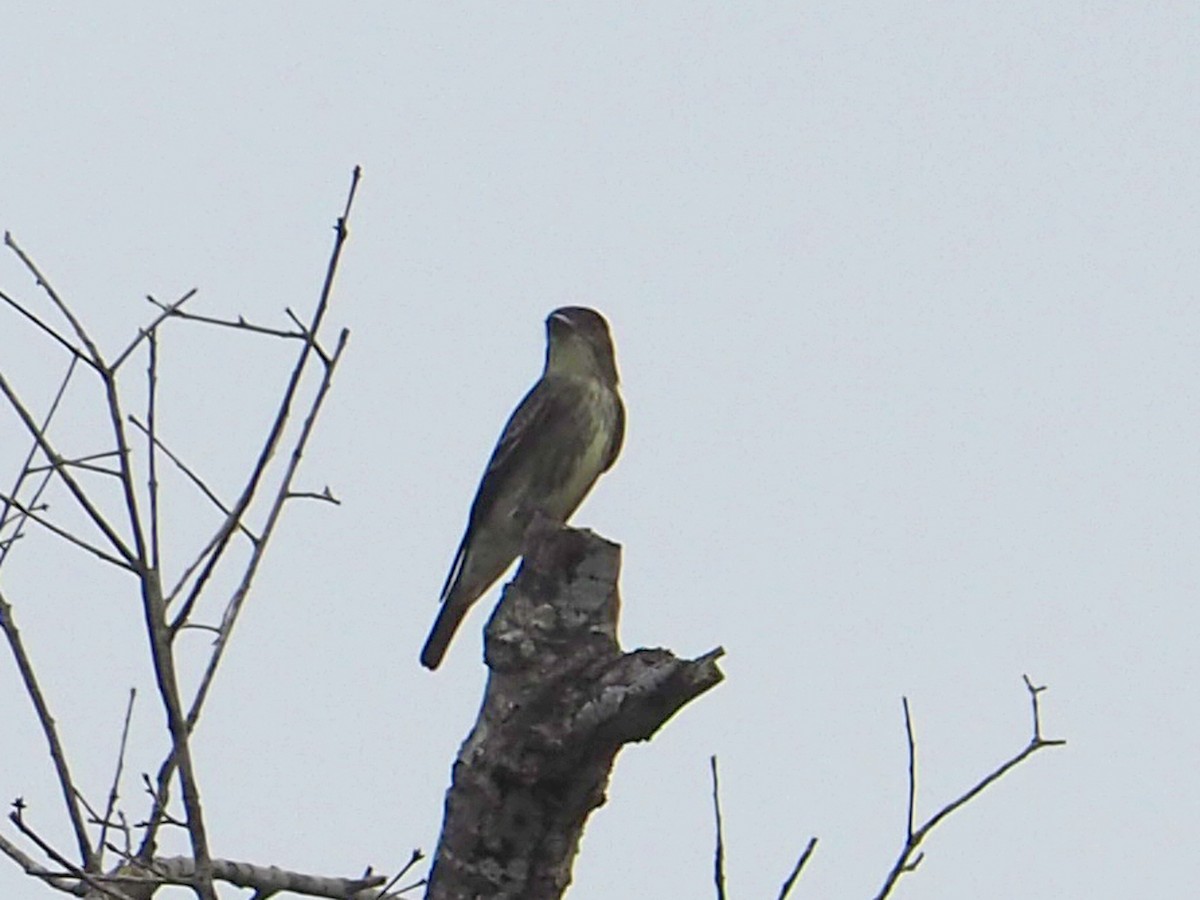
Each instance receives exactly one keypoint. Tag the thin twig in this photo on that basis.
(58, 881)
(152, 450)
(158, 633)
(909, 858)
(93, 813)
(13, 634)
(18, 819)
(266, 880)
(269, 446)
(75, 352)
(300, 326)
(28, 513)
(234, 606)
(791, 879)
(229, 619)
(73, 486)
(126, 852)
(29, 457)
(200, 626)
(1033, 700)
(240, 323)
(116, 782)
(192, 476)
(233, 521)
(719, 851)
(912, 770)
(80, 332)
(415, 858)
(168, 310)
(160, 798)
(325, 496)
(189, 570)
(81, 462)
(217, 546)
(66, 783)
(161, 653)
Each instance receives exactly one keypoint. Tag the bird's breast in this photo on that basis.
(581, 449)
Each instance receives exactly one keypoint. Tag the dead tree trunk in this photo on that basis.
(561, 700)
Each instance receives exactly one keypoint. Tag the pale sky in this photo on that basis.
(904, 298)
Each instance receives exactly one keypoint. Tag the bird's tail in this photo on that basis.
(448, 620)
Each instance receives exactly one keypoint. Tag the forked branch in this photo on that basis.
(909, 857)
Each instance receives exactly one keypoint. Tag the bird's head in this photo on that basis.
(578, 343)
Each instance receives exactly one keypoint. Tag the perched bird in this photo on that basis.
(565, 432)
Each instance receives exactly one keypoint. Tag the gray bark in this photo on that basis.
(561, 700)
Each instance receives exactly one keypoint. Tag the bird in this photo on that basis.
(565, 433)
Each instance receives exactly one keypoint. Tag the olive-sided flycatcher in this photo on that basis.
(566, 431)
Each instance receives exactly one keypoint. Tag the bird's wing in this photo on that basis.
(544, 404)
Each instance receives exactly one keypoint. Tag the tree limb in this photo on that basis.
(909, 858)
(561, 701)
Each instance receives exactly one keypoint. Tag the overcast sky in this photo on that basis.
(905, 304)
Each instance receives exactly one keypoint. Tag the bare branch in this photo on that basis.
(238, 598)
(154, 613)
(121, 825)
(1037, 716)
(76, 353)
(58, 881)
(234, 607)
(200, 626)
(168, 310)
(220, 540)
(151, 449)
(26, 466)
(13, 634)
(296, 321)
(325, 495)
(909, 858)
(116, 782)
(233, 520)
(265, 879)
(114, 407)
(18, 819)
(141, 550)
(163, 655)
(81, 462)
(204, 558)
(93, 815)
(415, 858)
(193, 477)
(160, 797)
(240, 323)
(128, 487)
(80, 332)
(66, 783)
(73, 486)
(804, 858)
(719, 852)
(912, 770)
(28, 513)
